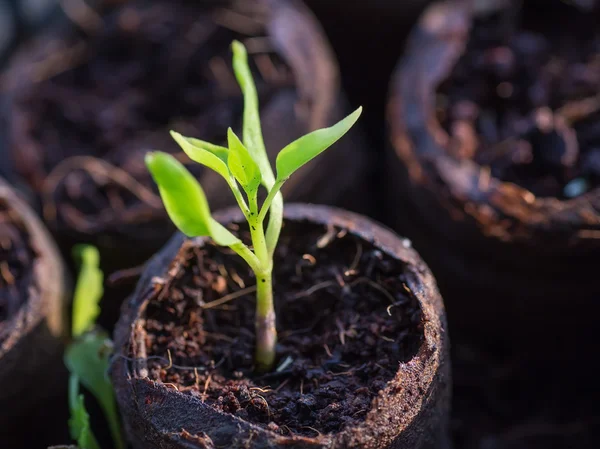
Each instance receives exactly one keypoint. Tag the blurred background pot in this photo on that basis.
(494, 129)
(493, 124)
(33, 328)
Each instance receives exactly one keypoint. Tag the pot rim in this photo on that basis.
(420, 375)
(503, 210)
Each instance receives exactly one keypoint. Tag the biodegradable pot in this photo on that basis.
(507, 257)
(362, 354)
(86, 102)
(33, 327)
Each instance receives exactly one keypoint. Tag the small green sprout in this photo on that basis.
(88, 356)
(245, 167)
(88, 291)
(79, 424)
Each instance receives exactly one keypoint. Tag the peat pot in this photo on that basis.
(33, 327)
(362, 359)
(494, 120)
(89, 99)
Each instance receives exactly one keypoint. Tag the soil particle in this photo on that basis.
(524, 99)
(345, 321)
(16, 262)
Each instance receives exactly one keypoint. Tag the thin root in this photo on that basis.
(376, 286)
(327, 238)
(229, 297)
(206, 384)
(356, 261)
(315, 288)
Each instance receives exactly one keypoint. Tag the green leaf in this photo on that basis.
(253, 139)
(242, 165)
(306, 148)
(207, 154)
(185, 200)
(219, 151)
(79, 423)
(252, 133)
(88, 290)
(88, 358)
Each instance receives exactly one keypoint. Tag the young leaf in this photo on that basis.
(219, 151)
(242, 165)
(185, 200)
(253, 139)
(88, 359)
(88, 290)
(212, 156)
(252, 132)
(301, 151)
(79, 423)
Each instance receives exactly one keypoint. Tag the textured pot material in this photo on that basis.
(32, 338)
(507, 262)
(410, 411)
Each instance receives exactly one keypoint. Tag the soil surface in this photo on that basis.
(16, 262)
(524, 98)
(345, 320)
(113, 91)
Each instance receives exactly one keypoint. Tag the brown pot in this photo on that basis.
(166, 404)
(33, 327)
(86, 104)
(506, 258)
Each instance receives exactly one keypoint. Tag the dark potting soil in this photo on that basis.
(524, 98)
(114, 90)
(16, 262)
(345, 320)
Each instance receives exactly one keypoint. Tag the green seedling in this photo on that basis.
(245, 167)
(87, 357)
(79, 423)
(88, 291)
